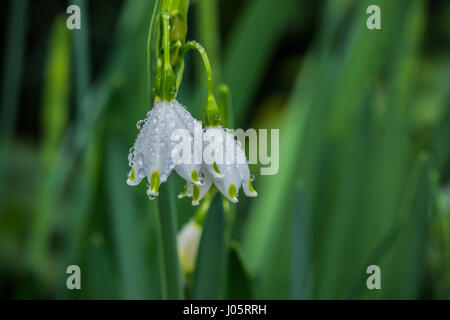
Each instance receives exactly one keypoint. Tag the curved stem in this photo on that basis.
(197, 46)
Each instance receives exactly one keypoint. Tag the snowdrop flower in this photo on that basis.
(188, 241)
(228, 169)
(225, 165)
(151, 154)
(197, 192)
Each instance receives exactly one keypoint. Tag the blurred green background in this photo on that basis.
(364, 174)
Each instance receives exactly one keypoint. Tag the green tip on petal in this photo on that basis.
(195, 195)
(232, 192)
(154, 182)
(250, 187)
(132, 175)
(185, 191)
(194, 177)
(216, 169)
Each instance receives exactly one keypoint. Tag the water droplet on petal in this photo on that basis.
(140, 124)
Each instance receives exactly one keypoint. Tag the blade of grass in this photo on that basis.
(171, 283)
(209, 267)
(238, 282)
(254, 39)
(101, 281)
(82, 69)
(55, 108)
(300, 248)
(126, 224)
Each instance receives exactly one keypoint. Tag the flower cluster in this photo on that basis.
(153, 151)
(152, 156)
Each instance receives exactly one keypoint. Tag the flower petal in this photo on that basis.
(244, 172)
(230, 184)
(199, 191)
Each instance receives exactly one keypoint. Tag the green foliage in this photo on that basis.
(364, 123)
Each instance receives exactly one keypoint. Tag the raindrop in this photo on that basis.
(140, 124)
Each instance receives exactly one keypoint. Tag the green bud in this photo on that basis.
(168, 83)
(212, 112)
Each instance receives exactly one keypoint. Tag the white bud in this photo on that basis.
(188, 241)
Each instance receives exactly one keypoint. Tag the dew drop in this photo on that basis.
(140, 124)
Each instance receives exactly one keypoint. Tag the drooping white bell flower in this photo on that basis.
(197, 192)
(151, 154)
(188, 241)
(227, 165)
(224, 164)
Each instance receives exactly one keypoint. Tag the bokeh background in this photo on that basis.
(364, 174)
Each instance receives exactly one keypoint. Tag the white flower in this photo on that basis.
(225, 165)
(188, 241)
(151, 154)
(197, 192)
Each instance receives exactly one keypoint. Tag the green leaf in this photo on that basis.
(55, 108)
(254, 39)
(171, 282)
(300, 248)
(81, 51)
(238, 282)
(126, 222)
(209, 267)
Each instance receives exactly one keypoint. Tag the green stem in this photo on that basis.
(197, 46)
(166, 28)
(168, 81)
(204, 207)
(171, 282)
(149, 54)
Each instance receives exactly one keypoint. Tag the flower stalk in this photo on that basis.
(168, 81)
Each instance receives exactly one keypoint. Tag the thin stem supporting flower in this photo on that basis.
(149, 53)
(212, 109)
(194, 45)
(168, 81)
